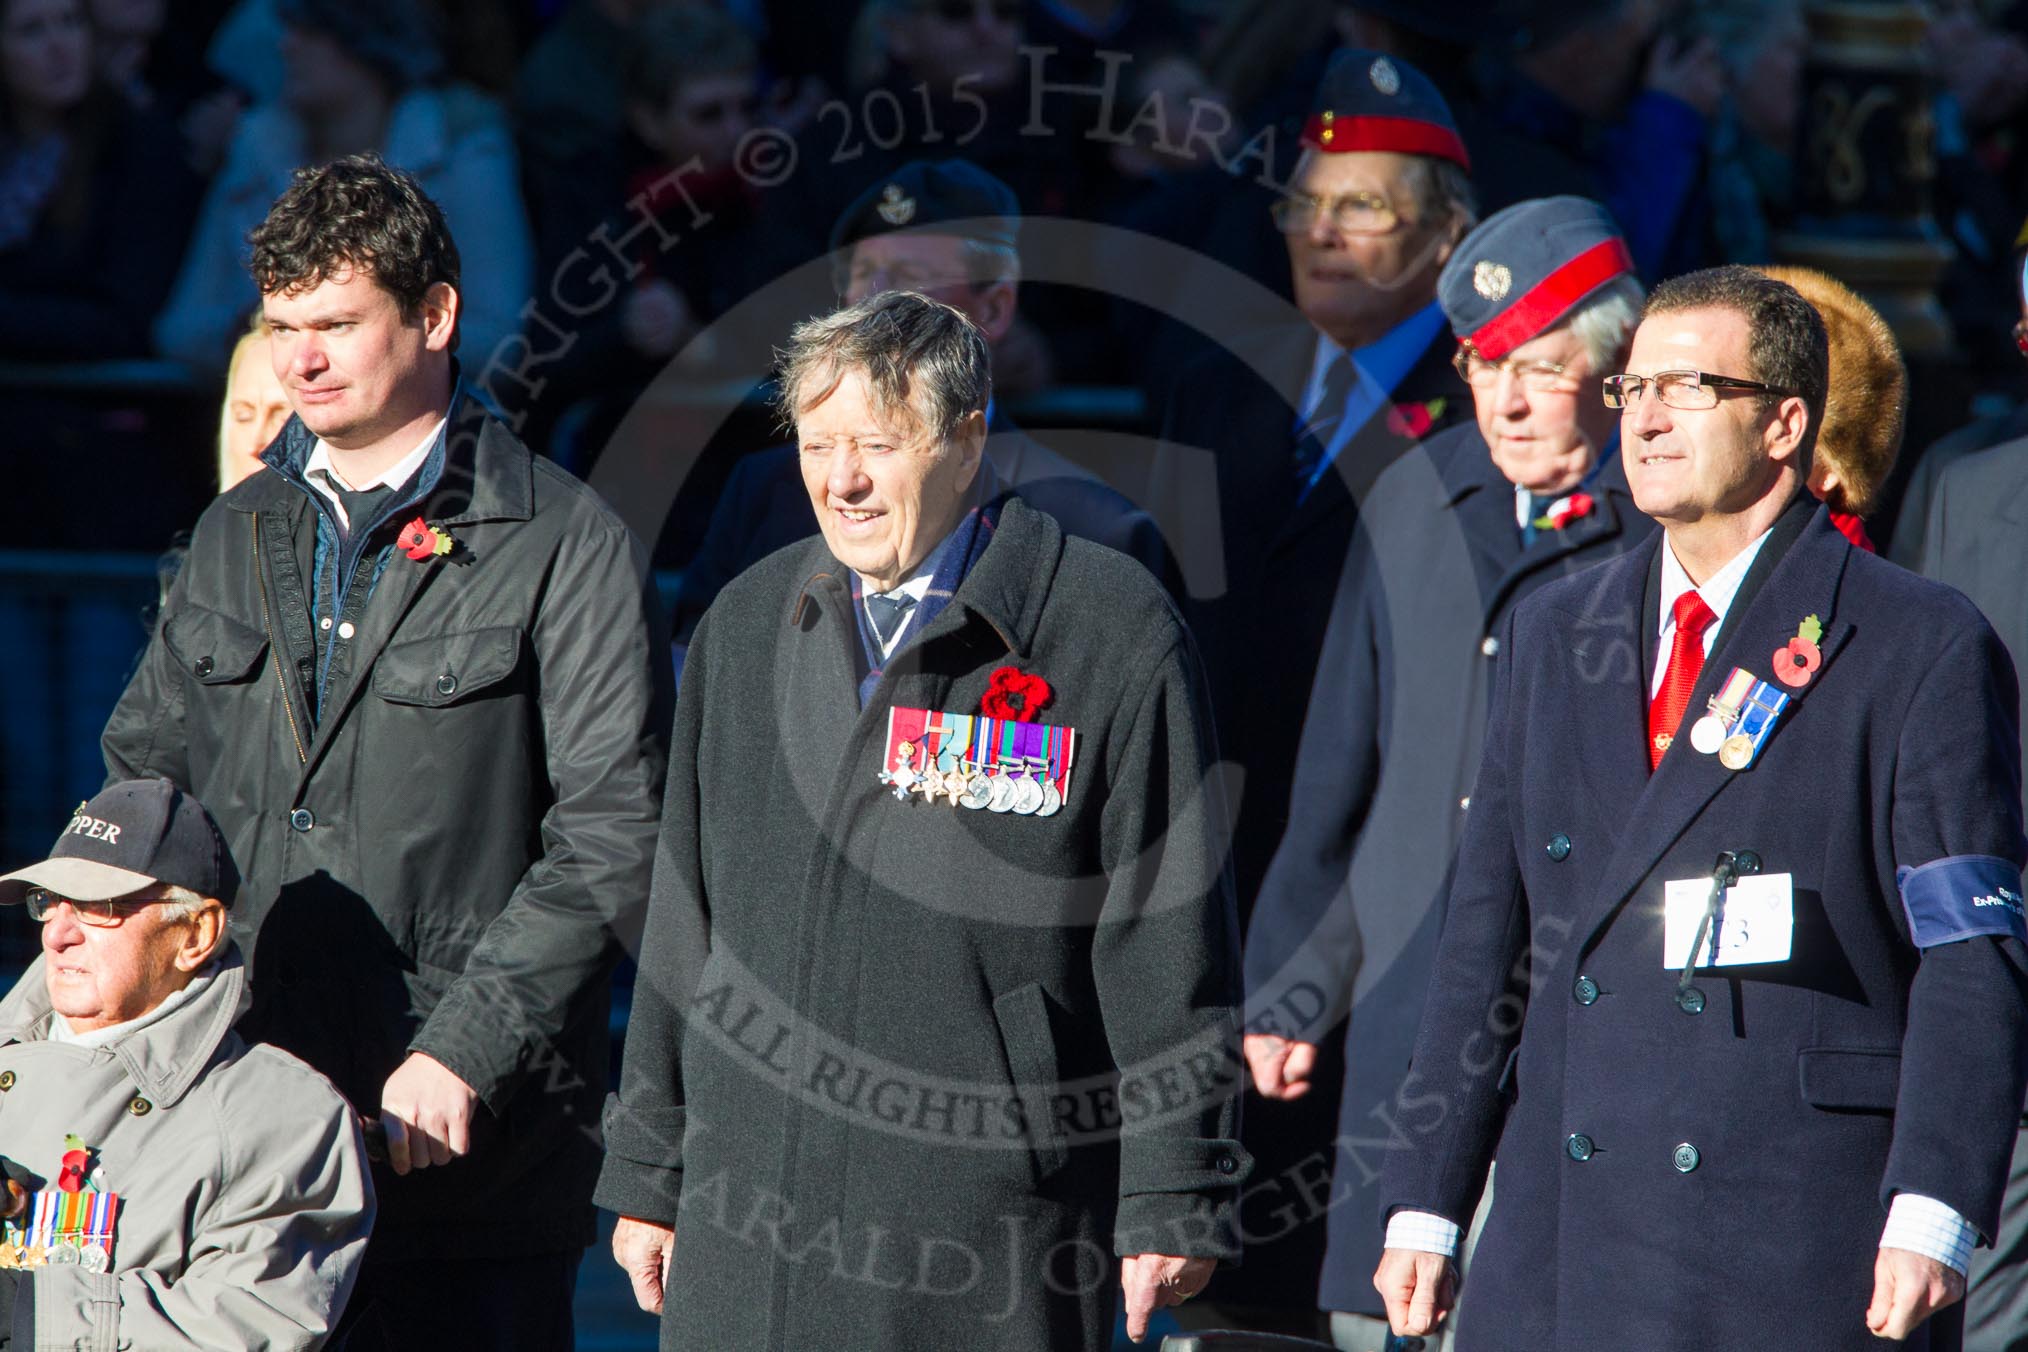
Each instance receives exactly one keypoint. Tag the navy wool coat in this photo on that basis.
(904, 1075)
(1348, 916)
(1675, 1180)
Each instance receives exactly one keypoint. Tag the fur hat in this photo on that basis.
(1867, 400)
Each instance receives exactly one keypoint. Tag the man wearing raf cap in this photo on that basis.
(948, 230)
(1730, 983)
(1543, 302)
(167, 1185)
(1298, 422)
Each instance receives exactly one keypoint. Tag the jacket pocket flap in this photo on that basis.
(1838, 1077)
(445, 668)
(214, 648)
(1023, 1017)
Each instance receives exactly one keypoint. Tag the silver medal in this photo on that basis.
(1052, 801)
(1003, 794)
(63, 1255)
(96, 1259)
(1027, 796)
(978, 791)
(1707, 734)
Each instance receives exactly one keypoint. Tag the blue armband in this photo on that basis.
(1962, 897)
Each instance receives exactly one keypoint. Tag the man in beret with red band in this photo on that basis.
(1542, 300)
(1298, 422)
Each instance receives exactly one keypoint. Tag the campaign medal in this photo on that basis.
(1762, 706)
(1002, 735)
(1708, 733)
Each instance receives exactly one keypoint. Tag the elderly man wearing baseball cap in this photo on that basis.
(166, 1184)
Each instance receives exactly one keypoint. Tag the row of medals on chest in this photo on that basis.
(1026, 792)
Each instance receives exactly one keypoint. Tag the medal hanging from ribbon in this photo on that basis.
(62, 1229)
(1742, 714)
(973, 761)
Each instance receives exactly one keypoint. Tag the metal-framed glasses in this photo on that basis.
(42, 904)
(1536, 377)
(1678, 389)
(1355, 213)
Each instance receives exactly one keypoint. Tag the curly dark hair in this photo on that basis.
(355, 212)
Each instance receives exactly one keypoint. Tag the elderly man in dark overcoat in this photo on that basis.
(1267, 447)
(1543, 302)
(935, 1039)
(1731, 980)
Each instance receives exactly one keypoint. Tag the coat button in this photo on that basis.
(1559, 847)
(345, 629)
(139, 1106)
(1585, 991)
(1690, 1001)
(1465, 804)
(1490, 646)
(6, 1080)
(1227, 1164)
(203, 667)
(447, 684)
(1686, 1158)
(302, 819)
(1579, 1146)
(324, 623)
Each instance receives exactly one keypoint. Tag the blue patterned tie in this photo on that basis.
(888, 612)
(1316, 434)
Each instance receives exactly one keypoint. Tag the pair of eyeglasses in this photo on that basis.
(1355, 213)
(42, 904)
(963, 11)
(1536, 377)
(1679, 389)
(870, 279)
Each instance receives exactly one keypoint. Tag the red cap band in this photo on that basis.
(1548, 300)
(1404, 135)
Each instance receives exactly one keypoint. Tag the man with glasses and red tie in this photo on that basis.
(1731, 980)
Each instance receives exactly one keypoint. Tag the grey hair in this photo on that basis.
(1606, 320)
(1442, 187)
(179, 903)
(924, 361)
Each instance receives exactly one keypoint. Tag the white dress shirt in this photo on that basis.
(916, 587)
(1916, 1223)
(397, 474)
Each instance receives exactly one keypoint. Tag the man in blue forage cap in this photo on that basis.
(1543, 300)
(1267, 446)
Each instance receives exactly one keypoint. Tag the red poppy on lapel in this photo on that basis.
(1015, 694)
(420, 540)
(1565, 510)
(1413, 420)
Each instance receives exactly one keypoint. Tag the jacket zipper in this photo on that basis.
(274, 649)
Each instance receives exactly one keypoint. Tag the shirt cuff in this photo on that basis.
(1426, 1232)
(1922, 1225)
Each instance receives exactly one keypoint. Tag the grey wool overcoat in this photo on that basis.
(906, 1075)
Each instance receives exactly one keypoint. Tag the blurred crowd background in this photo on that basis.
(644, 192)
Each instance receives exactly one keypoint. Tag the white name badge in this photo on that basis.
(1756, 924)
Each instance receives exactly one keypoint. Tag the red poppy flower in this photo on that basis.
(1796, 661)
(417, 540)
(1015, 694)
(1410, 420)
(1573, 508)
(72, 1177)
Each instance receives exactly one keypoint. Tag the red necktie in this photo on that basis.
(1686, 663)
